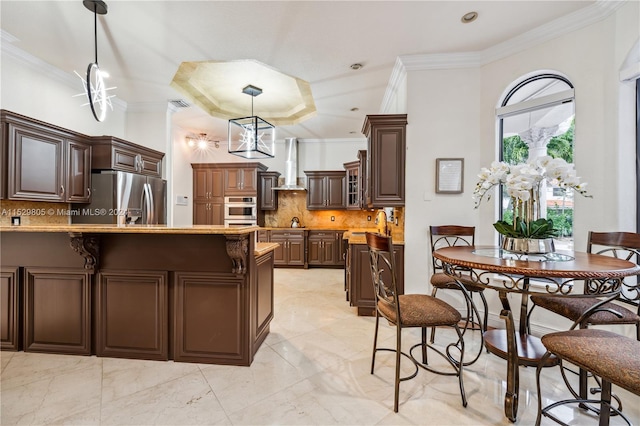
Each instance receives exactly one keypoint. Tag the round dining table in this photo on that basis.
(557, 273)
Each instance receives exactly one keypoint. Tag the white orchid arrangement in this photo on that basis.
(522, 184)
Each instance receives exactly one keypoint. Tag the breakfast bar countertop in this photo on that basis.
(133, 229)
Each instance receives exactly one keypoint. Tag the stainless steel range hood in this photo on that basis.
(290, 167)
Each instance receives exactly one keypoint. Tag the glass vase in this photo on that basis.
(528, 211)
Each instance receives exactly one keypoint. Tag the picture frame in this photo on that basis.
(449, 175)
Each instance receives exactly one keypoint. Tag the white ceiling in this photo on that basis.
(142, 43)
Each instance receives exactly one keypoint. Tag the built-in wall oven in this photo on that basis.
(240, 211)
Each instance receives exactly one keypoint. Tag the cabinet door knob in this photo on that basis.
(89, 191)
(61, 189)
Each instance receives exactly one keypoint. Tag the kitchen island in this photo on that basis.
(192, 294)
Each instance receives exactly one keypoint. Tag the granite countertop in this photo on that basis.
(356, 236)
(133, 229)
(305, 228)
(264, 248)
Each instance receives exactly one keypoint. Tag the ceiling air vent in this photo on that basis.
(179, 103)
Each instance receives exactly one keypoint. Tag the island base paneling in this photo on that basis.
(191, 297)
(132, 314)
(203, 301)
(57, 310)
(9, 302)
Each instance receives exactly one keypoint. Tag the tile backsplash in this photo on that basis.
(294, 204)
(34, 212)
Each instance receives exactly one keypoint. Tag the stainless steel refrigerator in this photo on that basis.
(124, 198)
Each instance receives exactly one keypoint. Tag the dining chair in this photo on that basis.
(410, 311)
(449, 236)
(624, 310)
(610, 356)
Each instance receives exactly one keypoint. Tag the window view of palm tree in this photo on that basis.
(537, 119)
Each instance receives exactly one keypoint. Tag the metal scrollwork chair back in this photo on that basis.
(450, 236)
(590, 309)
(626, 309)
(410, 310)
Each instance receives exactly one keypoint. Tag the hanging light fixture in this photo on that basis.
(94, 85)
(252, 137)
(202, 142)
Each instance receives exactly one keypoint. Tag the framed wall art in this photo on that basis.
(449, 175)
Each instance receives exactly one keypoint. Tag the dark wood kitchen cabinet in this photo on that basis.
(205, 213)
(355, 180)
(353, 184)
(267, 197)
(242, 179)
(132, 314)
(57, 310)
(3, 160)
(358, 275)
(9, 308)
(78, 172)
(326, 190)
(111, 153)
(386, 157)
(208, 195)
(292, 247)
(45, 162)
(324, 248)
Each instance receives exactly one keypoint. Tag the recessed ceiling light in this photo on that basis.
(469, 17)
(356, 66)
(354, 109)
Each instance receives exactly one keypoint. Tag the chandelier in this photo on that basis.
(252, 137)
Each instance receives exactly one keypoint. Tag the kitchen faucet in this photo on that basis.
(382, 215)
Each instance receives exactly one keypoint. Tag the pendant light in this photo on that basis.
(94, 85)
(252, 137)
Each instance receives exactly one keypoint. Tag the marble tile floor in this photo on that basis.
(313, 369)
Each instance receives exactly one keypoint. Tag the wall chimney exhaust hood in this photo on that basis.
(290, 167)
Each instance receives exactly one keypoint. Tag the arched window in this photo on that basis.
(536, 118)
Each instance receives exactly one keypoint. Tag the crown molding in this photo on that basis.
(567, 24)
(598, 11)
(398, 74)
(68, 79)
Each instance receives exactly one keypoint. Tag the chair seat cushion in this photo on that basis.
(608, 355)
(573, 307)
(420, 310)
(442, 280)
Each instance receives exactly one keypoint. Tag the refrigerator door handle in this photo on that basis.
(152, 207)
(147, 202)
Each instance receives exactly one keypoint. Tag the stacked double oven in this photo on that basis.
(240, 211)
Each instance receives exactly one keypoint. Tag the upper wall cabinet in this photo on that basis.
(267, 197)
(111, 153)
(356, 173)
(45, 162)
(242, 179)
(386, 155)
(3, 160)
(326, 190)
